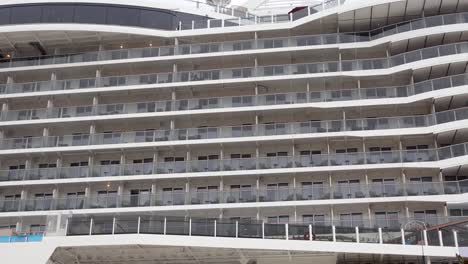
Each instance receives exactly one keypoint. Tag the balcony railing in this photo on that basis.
(202, 48)
(244, 164)
(187, 134)
(22, 237)
(236, 101)
(247, 195)
(239, 73)
(322, 231)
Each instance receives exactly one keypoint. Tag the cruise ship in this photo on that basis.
(214, 132)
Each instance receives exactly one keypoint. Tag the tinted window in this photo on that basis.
(25, 14)
(155, 19)
(90, 14)
(123, 16)
(96, 14)
(5, 16)
(57, 14)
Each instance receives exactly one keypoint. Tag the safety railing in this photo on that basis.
(321, 231)
(15, 237)
(336, 191)
(236, 101)
(243, 164)
(213, 47)
(276, 129)
(239, 73)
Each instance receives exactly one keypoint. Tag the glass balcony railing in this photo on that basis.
(431, 231)
(22, 237)
(245, 164)
(214, 47)
(246, 195)
(332, 231)
(239, 73)
(236, 101)
(186, 134)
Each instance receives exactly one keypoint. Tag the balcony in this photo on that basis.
(241, 131)
(244, 164)
(215, 47)
(247, 195)
(235, 101)
(240, 73)
(336, 231)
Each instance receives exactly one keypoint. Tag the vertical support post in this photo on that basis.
(91, 226)
(113, 225)
(425, 237)
(190, 227)
(165, 225)
(380, 236)
(215, 228)
(357, 234)
(263, 230)
(139, 224)
(237, 229)
(286, 228)
(310, 233)
(441, 242)
(66, 225)
(455, 238)
(334, 233)
(403, 237)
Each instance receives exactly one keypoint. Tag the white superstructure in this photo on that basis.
(184, 132)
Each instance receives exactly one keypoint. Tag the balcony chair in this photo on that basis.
(195, 201)
(450, 190)
(359, 194)
(412, 192)
(231, 199)
(337, 195)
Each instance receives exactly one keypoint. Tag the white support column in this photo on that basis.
(215, 231)
(98, 77)
(139, 224)
(4, 107)
(425, 238)
(9, 82)
(311, 234)
(19, 225)
(174, 71)
(455, 238)
(263, 230)
(55, 193)
(334, 233)
(380, 236)
(237, 229)
(190, 227)
(113, 226)
(45, 132)
(286, 228)
(357, 234)
(441, 241)
(369, 214)
(359, 88)
(332, 214)
(91, 223)
(403, 237)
